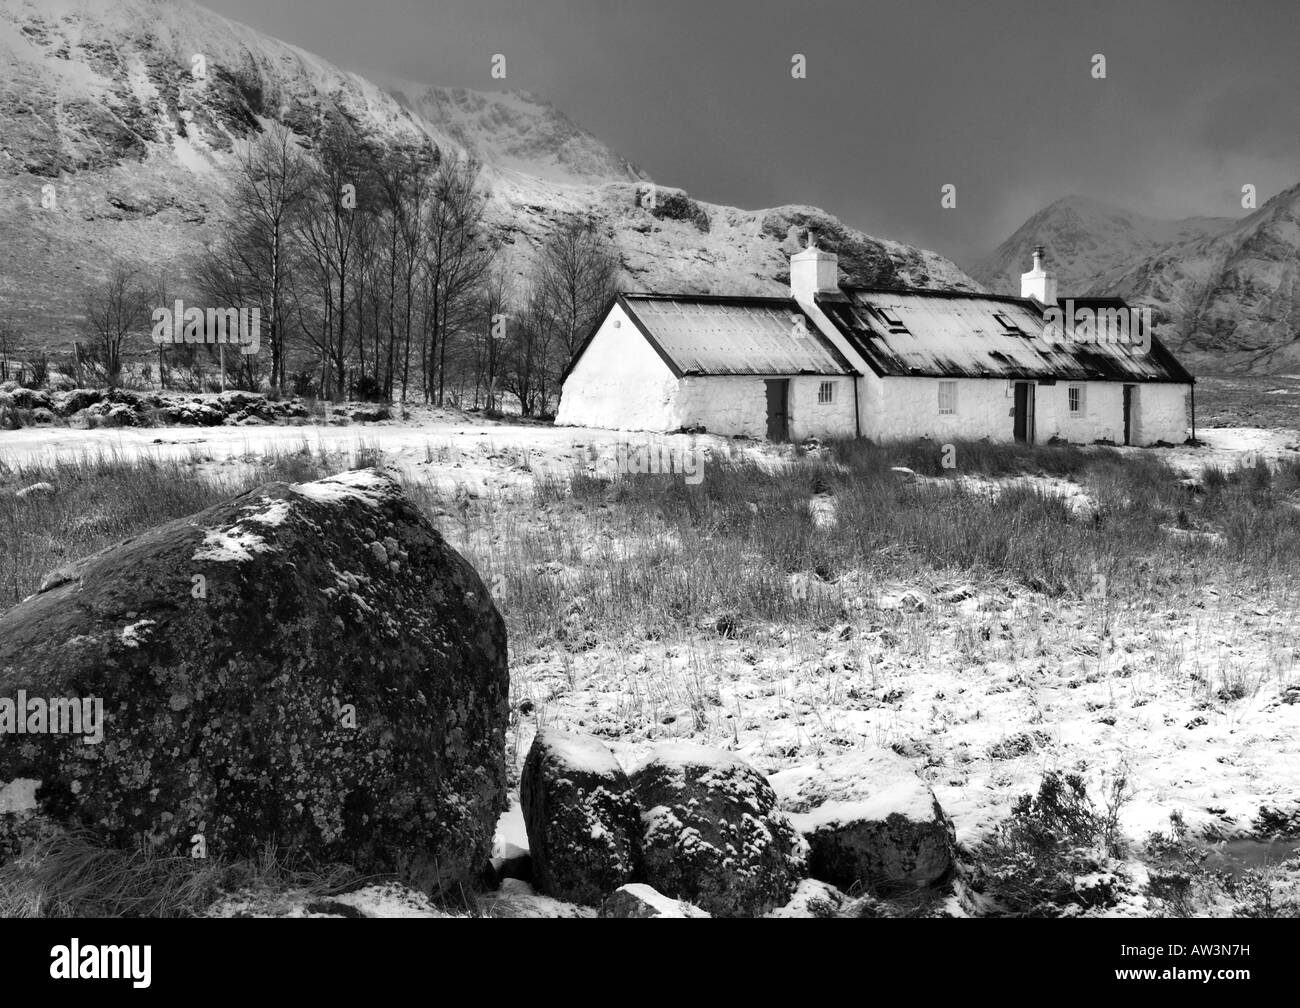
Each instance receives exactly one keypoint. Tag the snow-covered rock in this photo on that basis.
(313, 695)
(36, 490)
(713, 832)
(869, 820)
(583, 822)
(813, 898)
(640, 900)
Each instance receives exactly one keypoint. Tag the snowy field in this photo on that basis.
(984, 684)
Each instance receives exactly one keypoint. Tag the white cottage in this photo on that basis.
(833, 360)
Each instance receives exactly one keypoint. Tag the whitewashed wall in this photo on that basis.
(810, 418)
(619, 383)
(1164, 414)
(909, 408)
(1101, 418)
(901, 408)
(732, 405)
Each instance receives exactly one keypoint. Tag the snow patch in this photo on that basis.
(581, 753)
(134, 635)
(230, 545)
(19, 795)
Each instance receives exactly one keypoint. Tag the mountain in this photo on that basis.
(1085, 238)
(1228, 301)
(98, 99)
(517, 130)
(1225, 293)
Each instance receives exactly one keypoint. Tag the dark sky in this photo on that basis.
(993, 96)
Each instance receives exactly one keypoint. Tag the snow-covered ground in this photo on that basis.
(983, 685)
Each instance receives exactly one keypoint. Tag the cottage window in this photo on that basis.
(1076, 399)
(891, 318)
(826, 392)
(1008, 324)
(947, 398)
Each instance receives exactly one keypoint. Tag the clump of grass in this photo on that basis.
(743, 541)
(102, 499)
(71, 874)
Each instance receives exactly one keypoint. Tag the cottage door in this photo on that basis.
(778, 409)
(1128, 414)
(1023, 428)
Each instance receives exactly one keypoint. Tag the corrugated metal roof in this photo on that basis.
(957, 334)
(704, 335)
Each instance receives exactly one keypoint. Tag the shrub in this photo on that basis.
(1049, 857)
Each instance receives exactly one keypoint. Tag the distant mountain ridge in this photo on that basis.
(1225, 293)
(1085, 239)
(98, 99)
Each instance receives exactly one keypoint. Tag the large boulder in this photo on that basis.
(308, 665)
(583, 822)
(869, 821)
(713, 832)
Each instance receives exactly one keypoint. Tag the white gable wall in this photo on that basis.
(620, 382)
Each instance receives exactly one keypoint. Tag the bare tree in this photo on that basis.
(271, 183)
(495, 326)
(457, 260)
(576, 274)
(325, 235)
(116, 309)
(10, 334)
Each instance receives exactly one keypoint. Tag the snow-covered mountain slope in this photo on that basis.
(1229, 301)
(1085, 238)
(1225, 292)
(98, 99)
(516, 130)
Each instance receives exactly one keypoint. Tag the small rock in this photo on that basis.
(713, 832)
(36, 490)
(868, 819)
(583, 822)
(813, 898)
(639, 900)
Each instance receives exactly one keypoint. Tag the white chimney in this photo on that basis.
(1039, 283)
(813, 271)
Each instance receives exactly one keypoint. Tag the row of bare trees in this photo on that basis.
(378, 278)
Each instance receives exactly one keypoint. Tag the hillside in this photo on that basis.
(1226, 292)
(98, 100)
(1231, 301)
(1085, 238)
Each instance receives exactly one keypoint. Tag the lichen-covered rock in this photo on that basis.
(713, 832)
(640, 900)
(869, 821)
(311, 665)
(583, 822)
